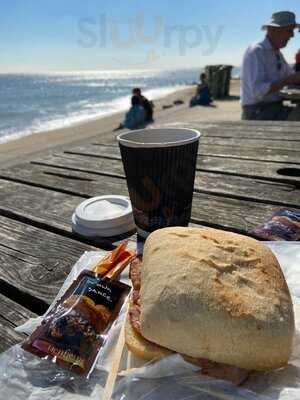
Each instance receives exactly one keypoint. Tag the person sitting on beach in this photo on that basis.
(148, 105)
(265, 71)
(203, 95)
(136, 116)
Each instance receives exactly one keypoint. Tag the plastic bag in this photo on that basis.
(75, 328)
(173, 378)
(78, 325)
(26, 377)
(156, 382)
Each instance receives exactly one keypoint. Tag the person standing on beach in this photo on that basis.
(148, 105)
(265, 71)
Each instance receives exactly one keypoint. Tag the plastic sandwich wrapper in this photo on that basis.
(24, 376)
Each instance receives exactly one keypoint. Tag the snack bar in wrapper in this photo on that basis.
(74, 330)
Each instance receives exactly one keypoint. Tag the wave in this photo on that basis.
(86, 112)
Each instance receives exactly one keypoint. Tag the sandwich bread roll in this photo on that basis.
(141, 347)
(214, 295)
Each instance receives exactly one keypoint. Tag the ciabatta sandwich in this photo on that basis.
(217, 297)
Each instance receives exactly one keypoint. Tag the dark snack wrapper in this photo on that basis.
(283, 225)
(75, 329)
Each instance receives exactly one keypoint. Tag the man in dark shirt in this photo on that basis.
(148, 105)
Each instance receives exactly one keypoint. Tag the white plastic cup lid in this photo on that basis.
(91, 232)
(104, 212)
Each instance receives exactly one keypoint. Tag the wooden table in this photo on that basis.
(245, 172)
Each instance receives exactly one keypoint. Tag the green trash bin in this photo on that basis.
(219, 77)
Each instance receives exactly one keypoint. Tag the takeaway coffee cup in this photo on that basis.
(160, 168)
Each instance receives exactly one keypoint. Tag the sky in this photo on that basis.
(69, 35)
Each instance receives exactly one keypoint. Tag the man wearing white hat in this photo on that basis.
(265, 71)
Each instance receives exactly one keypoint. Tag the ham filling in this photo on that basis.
(210, 368)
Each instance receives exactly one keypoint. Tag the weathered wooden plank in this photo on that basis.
(72, 188)
(11, 315)
(111, 152)
(208, 140)
(229, 214)
(252, 143)
(90, 184)
(253, 135)
(210, 146)
(243, 167)
(103, 163)
(254, 169)
(279, 125)
(250, 133)
(14, 312)
(252, 139)
(34, 261)
(235, 129)
(274, 155)
(247, 189)
(259, 154)
(8, 336)
(70, 181)
(213, 204)
(267, 125)
(255, 129)
(224, 130)
(49, 207)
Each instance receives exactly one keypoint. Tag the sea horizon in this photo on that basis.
(116, 70)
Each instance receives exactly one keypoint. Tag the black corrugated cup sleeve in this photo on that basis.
(160, 169)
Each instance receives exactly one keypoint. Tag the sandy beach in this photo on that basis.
(17, 151)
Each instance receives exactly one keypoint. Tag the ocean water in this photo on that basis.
(31, 103)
